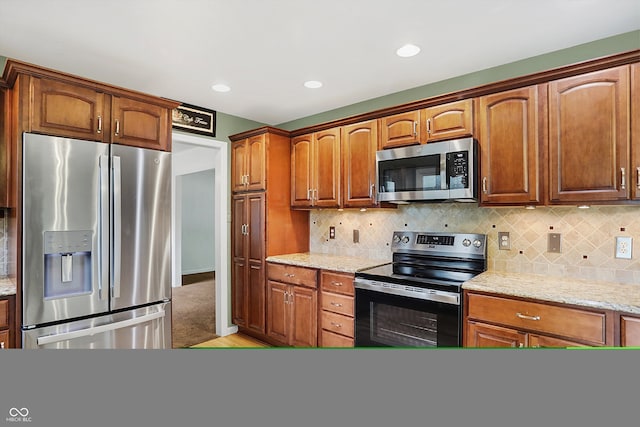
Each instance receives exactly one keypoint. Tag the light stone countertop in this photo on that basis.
(596, 294)
(7, 287)
(345, 264)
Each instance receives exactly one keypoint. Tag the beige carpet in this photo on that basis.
(193, 313)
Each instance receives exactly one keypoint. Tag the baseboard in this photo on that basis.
(187, 279)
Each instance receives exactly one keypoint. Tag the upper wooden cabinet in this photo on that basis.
(248, 168)
(65, 109)
(140, 124)
(59, 104)
(510, 142)
(315, 166)
(589, 150)
(440, 122)
(401, 130)
(359, 144)
(69, 109)
(634, 175)
(448, 121)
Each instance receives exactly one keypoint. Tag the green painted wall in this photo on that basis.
(609, 46)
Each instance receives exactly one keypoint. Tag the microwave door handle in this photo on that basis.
(117, 226)
(103, 224)
(444, 171)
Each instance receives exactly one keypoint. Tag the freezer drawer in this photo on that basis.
(142, 328)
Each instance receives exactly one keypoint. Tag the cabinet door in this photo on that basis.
(484, 335)
(538, 341)
(304, 317)
(510, 147)
(634, 176)
(629, 331)
(256, 317)
(359, 144)
(4, 339)
(67, 110)
(400, 130)
(588, 137)
(301, 171)
(256, 163)
(326, 168)
(278, 311)
(239, 279)
(140, 124)
(447, 121)
(239, 165)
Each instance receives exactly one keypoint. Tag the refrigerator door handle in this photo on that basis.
(117, 227)
(49, 339)
(103, 220)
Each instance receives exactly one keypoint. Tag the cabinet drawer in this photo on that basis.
(4, 314)
(336, 303)
(291, 274)
(337, 282)
(337, 323)
(329, 339)
(4, 339)
(563, 321)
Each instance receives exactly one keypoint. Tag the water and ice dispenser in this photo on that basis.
(67, 263)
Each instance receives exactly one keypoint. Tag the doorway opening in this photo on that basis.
(195, 158)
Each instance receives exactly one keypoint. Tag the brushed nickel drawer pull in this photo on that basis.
(336, 304)
(524, 316)
(117, 127)
(638, 177)
(337, 325)
(484, 185)
(623, 179)
(99, 124)
(336, 283)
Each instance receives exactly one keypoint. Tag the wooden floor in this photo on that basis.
(232, 341)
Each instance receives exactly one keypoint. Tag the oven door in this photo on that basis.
(389, 320)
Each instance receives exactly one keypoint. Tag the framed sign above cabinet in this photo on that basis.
(194, 119)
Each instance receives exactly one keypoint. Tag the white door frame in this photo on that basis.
(220, 162)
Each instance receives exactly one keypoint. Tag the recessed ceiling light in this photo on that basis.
(313, 84)
(408, 50)
(221, 87)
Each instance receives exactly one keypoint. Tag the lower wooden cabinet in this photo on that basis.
(292, 301)
(336, 323)
(7, 324)
(629, 330)
(499, 321)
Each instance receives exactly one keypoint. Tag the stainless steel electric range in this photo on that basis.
(416, 300)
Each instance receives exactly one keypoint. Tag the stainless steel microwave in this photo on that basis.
(438, 171)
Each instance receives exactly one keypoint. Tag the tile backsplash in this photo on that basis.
(587, 235)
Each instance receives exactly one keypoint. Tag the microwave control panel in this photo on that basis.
(458, 169)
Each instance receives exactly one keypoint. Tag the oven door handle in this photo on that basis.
(445, 297)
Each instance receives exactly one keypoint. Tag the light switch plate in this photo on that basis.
(624, 245)
(553, 242)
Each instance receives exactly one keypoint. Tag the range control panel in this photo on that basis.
(462, 243)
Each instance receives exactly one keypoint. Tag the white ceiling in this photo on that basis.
(266, 49)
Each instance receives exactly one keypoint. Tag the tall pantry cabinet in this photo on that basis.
(262, 222)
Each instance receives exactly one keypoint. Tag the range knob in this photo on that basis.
(466, 243)
(396, 238)
(405, 239)
(477, 243)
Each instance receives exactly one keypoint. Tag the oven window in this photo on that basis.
(384, 320)
(400, 327)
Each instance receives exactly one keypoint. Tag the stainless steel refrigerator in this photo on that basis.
(96, 245)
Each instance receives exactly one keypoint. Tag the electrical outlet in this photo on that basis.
(504, 241)
(332, 232)
(623, 247)
(553, 242)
